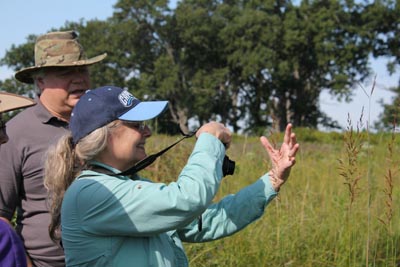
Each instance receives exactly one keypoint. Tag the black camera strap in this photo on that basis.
(150, 159)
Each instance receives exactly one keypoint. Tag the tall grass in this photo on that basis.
(321, 217)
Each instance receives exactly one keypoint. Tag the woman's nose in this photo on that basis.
(147, 131)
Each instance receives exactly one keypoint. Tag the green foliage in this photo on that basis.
(314, 136)
(17, 58)
(21, 56)
(390, 117)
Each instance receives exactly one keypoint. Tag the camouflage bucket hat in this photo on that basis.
(57, 49)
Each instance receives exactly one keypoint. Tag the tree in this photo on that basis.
(177, 56)
(286, 55)
(381, 27)
(381, 20)
(390, 116)
(249, 64)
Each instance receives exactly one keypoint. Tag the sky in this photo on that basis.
(20, 18)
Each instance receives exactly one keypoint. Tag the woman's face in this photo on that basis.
(126, 145)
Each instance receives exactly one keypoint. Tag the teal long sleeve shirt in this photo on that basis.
(115, 221)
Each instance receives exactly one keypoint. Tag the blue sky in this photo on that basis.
(19, 18)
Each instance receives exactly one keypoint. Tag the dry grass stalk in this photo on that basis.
(391, 172)
(348, 167)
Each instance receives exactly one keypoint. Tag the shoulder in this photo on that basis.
(4, 227)
(23, 117)
(11, 247)
(6, 231)
(94, 190)
(34, 126)
(91, 185)
(90, 182)
(29, 118)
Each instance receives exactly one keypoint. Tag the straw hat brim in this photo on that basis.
(25, 75)
(9, 102)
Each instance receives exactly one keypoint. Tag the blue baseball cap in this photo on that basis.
(100, 106)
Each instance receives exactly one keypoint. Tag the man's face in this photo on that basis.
(3, 133)
(62, 87)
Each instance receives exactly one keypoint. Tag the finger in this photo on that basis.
(267, 145)
(227, 140)
(294, 150)
(226, 137)
(288, 131)
(293, 140)
(265, 142)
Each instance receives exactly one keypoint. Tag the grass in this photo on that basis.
(339, 207)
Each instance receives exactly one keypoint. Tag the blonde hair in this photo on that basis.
(65, 162)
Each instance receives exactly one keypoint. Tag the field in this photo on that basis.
(339, 207)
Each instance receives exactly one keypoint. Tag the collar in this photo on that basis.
(44, 115)
(99, 165)
(104, 168)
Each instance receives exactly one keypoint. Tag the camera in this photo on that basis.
(228, 166)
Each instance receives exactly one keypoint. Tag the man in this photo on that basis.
(61, 76)
(12, 252)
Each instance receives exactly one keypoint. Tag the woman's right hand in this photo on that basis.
(218, 130)
(282, 158)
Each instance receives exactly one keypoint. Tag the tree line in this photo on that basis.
(249, 64)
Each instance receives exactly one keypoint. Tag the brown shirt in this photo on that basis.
(31, 133)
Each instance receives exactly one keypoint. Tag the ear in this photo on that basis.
(40, 83)
(110, 140)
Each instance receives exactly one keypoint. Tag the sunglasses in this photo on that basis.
(137, 125)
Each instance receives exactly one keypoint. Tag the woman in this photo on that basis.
(108, 219)
(12, 251)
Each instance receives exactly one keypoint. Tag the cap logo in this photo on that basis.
(126, 98)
